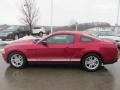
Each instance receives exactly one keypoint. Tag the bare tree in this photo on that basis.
(30, 13)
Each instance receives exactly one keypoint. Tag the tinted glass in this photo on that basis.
(85, 39)
(105, 33)
(37, 27)
(61, 39)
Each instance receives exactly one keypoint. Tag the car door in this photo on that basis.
(57, 48)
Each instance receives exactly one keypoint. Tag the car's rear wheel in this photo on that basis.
(91, 62)
(40, 34)
(17, 60)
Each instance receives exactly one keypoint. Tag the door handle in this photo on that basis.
(67, 47)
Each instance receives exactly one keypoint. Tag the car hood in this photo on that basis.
(20, 43)
(5, 33)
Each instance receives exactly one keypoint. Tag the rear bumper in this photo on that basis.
(111, 61)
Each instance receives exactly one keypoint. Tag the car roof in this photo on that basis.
(73, 32)
(68, 32)
(80, 33)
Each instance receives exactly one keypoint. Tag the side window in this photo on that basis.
(85, 39)
(21, 28)
(37, 28)
(61, 39)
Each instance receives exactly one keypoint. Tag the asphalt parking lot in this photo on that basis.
(44, 77)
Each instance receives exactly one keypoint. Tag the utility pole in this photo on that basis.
(51, 16)
(76, 24)
(118, 13)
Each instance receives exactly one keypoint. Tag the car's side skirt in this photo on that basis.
(55, 60)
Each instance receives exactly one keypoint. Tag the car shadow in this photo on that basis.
(62, 76)
(61, 66)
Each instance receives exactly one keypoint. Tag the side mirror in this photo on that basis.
(44, 42)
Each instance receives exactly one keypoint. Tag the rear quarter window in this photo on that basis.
(85, 39)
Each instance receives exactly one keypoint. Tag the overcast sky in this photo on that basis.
(64, 11)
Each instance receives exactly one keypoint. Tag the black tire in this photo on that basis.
(40, 34)
(23, 60)
(84, 62)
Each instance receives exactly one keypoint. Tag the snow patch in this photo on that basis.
(13, 41)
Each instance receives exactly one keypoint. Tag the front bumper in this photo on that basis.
(3, 38)
(5, 57)
(111, 61)
(2, 51)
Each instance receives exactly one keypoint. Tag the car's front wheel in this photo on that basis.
(16, 37)
(91, 62)
(17, 60)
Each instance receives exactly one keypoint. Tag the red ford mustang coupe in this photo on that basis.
(63, 47)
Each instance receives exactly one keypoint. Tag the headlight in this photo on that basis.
(2, 50)
(10, 35)
(5, 34)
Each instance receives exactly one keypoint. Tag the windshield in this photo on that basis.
(105, 33)
(13, 27)
(37, 40)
